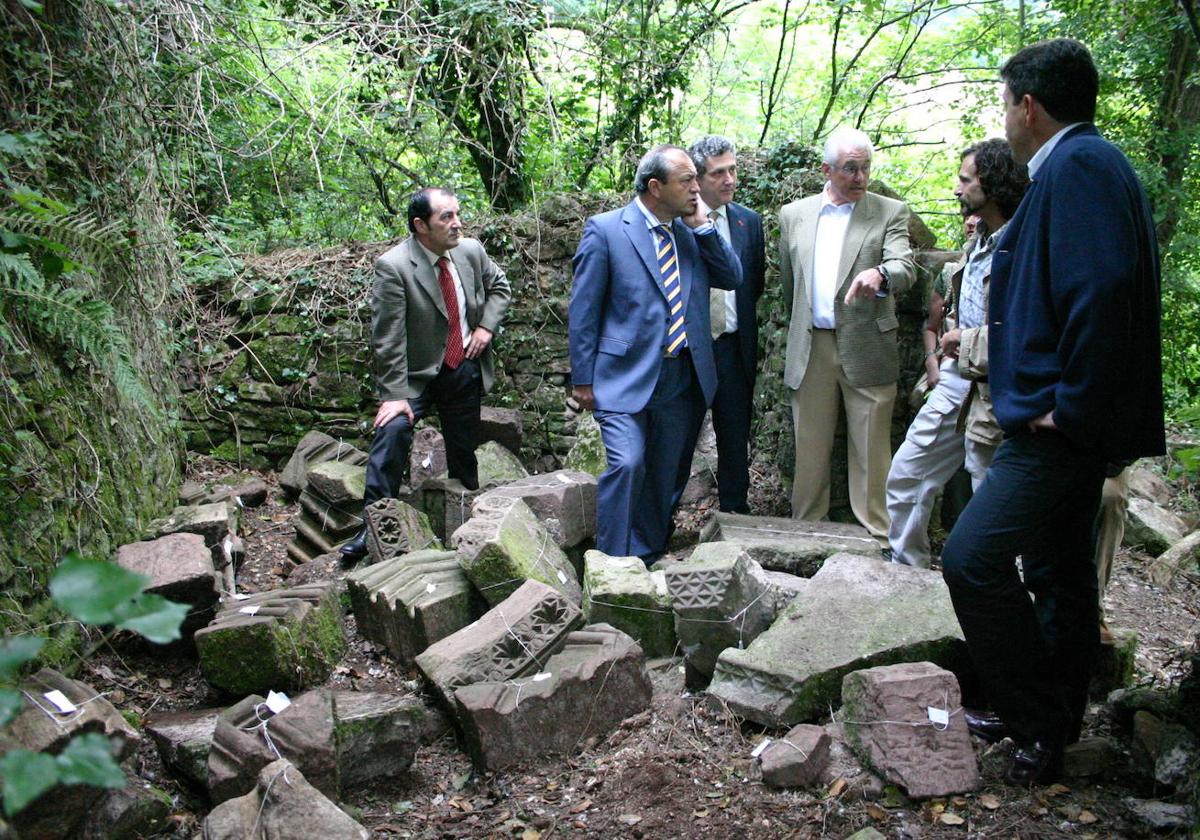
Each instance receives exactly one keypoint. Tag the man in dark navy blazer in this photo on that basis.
(1076, 379)
(734, 323)
(641, 353)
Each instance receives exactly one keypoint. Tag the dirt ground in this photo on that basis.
(682, 769)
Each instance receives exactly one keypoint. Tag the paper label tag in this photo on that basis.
(544, 675)
(277, 701)
(431, 588)
(250, 610)
(428, 462)
(562, 578)
(762, 745)
(565, 479)
(939, 717)
(227, 546)
(240, 596)
(60, 700)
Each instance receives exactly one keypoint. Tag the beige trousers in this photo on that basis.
(869, 428)
(1114, 502)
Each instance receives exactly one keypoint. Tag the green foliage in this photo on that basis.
(93, 592)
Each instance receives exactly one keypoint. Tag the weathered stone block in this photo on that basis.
(1147, 484)
(622, 592)
(596, 681)
(134, 811)
(502, 425)
(784, 588)
(1093, 756)
(394, 528)
(282, 804)
(504, 544)
(284, 640)
(335, 520)
(447, 504)
(564, 501)
(213, 522)
(1160, 750)
(1152, 528)
(1183, 556)
(183, 740)
(248, 737)
(797, 759)
(889, 715)
(498, 465)
(377, 734)
(789, 545)
(180, 568)
(721, 599)
(587, 454)
(42, 726)
(411, 601)
(249, 491)
(314, 448)
(855, 613)
(338, 482)
(513, 639)
(427, 458)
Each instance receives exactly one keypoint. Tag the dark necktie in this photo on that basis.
(454, 345)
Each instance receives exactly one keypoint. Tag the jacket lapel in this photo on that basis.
(426, 276)
(684, 261)
(643, 242)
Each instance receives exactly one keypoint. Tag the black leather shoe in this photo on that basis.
(356, 549)
(986, 725)
(1036, 764)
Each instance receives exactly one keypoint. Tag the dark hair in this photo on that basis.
(1004, 180)
(708, 147)
(654, 165)
(421, 207)
(1059, 74)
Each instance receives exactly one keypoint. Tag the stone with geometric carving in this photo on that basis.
(513, 639)
(789, 545)
(315, 448)
(394, 528)
(249, 736)
(906, 722)
(504, 544)
(854, 613)
(286, 639)
(411, 601)
(721, 599)
(596, 681)
(564, 501)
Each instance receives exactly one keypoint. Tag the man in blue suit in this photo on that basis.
(1076, 379)
(734, 323)
(641, 351)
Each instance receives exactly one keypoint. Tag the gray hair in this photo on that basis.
(709, 147)
(654, 165)
(844, 138)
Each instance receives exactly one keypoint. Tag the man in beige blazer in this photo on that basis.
(437, 301)
(844, 255)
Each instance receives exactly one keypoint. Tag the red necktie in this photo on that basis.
(454, 345)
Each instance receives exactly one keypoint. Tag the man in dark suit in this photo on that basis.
(437, 301)
(641, 350)
(734, 323)
(1076, 382)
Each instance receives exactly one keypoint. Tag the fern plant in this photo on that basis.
(47, 259)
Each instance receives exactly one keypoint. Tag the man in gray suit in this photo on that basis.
(843, 256)
(437, 301)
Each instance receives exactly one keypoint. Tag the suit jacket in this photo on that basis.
(746, 235)
(1073, 323)
(877, 234)
(618, 311)
(410, 323)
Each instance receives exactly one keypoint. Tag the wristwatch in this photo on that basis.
(886, 285)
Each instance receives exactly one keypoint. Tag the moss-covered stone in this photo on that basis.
(622, 592)
(587, 453)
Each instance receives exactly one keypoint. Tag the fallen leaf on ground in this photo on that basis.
(949, 818)
(1087, 817)
(989, 801)
(531, 834)
(629, 819)
(839, 785)
(876, 813)
(580, 807)
(1056, 789)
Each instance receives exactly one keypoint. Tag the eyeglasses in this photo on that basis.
(852, 169)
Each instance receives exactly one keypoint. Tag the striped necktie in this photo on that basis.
(668, 267)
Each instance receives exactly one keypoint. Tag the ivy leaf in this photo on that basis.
(88, 760)
(94, 591)
(15, 652)
(10, 705)
(32, 5)
(153, 616)
(27, 775)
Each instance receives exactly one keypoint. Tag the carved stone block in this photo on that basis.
(394, 528)
(315, 448)
(284, 640)
(564, 502)
(622, 592)
(797, 759)
(514, 638)
(597, 680)
(446, 502)
(411, 601)
(789, 545)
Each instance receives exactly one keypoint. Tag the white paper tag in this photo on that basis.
(544, 675)
(428, 462)
(227, 547)
(565, 479)
(939, 717)
(277, 701)
(431, 588)
(60, 700)
(762, 745)
(250, 610)
(240, 596)
(562, 578)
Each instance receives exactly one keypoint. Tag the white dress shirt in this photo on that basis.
(720, 219)
(832, 222)
(458, 289)
(1039, 157)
